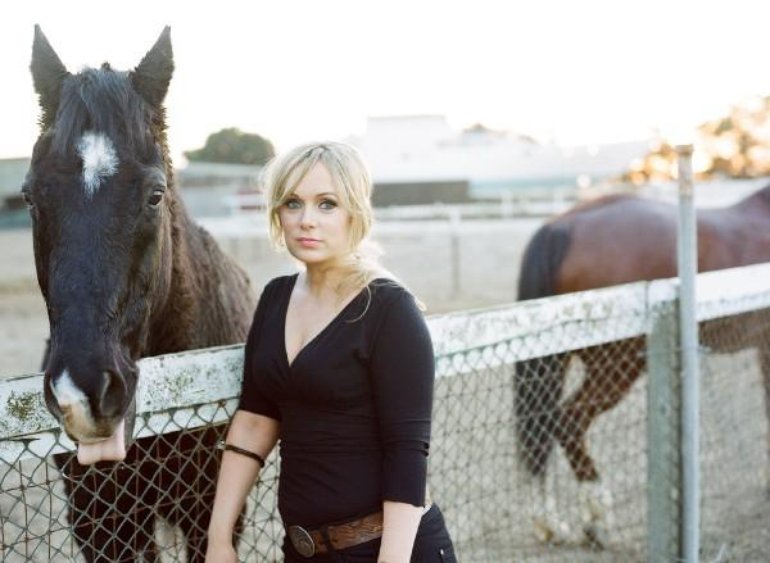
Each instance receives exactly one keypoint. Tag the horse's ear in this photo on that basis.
(153, 75)
(48, 73)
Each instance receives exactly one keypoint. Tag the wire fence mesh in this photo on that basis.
(555, 438)
(507, 411)
(735, 507)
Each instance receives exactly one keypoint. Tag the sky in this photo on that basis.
(572, 72)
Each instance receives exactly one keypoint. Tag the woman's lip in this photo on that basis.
(308, 241)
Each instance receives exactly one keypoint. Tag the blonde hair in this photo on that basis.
(353, 181)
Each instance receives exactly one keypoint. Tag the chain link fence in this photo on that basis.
(556, 438)
(735, 419)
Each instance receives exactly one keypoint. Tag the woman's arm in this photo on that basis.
(403, 371)
(400, 524)
(237, 475)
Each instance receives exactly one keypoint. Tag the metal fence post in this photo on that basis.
(664, 488)
(688, 329)
(673, 423)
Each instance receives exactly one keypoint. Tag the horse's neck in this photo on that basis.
(208, 302)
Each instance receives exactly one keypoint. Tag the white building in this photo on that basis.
(423, 148)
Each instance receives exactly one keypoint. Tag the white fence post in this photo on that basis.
(454, 251)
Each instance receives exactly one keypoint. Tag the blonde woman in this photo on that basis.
(339, 368)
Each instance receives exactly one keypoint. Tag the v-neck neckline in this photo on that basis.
(318, 334)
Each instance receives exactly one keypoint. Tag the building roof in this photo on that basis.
(426, 148)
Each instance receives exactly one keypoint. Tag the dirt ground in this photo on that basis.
(23, 321)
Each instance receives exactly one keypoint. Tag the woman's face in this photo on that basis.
(316, 227)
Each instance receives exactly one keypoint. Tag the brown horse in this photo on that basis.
(615, 240)
(125, 274)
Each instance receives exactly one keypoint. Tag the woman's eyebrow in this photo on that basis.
(318, 195)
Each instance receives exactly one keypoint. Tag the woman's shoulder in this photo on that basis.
(274, 288)
(394, 311)
(387, 291)
(280, 282)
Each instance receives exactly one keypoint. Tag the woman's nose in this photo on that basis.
(307, 219)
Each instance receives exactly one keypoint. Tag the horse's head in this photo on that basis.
(99, 197)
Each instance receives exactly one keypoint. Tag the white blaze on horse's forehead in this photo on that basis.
(99, 160)
(66, 392)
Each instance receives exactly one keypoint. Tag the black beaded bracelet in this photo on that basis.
(229, 447)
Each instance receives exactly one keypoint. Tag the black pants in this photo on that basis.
(432, 545)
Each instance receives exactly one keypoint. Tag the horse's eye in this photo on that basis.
(155, 198)
(27, 199)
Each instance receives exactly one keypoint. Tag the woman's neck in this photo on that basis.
(322, 280)
(338, 279)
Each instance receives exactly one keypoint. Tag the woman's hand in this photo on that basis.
(221, 552)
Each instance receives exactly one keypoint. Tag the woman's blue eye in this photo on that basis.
(292, 204)
(328, 204)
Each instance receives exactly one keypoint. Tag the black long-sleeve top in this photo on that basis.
(354, 405)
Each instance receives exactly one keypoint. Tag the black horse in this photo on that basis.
(125, 274)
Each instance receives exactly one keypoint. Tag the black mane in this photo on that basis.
(103, 101)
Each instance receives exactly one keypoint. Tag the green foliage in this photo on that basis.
(231, 145)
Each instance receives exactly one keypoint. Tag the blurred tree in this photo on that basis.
(734, 146)
(234, 146)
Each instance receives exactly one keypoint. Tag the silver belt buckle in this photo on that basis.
(302, 541)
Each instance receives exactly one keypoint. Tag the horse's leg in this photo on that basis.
(609, 374)
(109, 510)
(194, 518)
(144, 546)
(86, 512)
(97, 527)
(82, 526)
(610, 371)
(191, 471)
(537, 390)
(138, 498)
